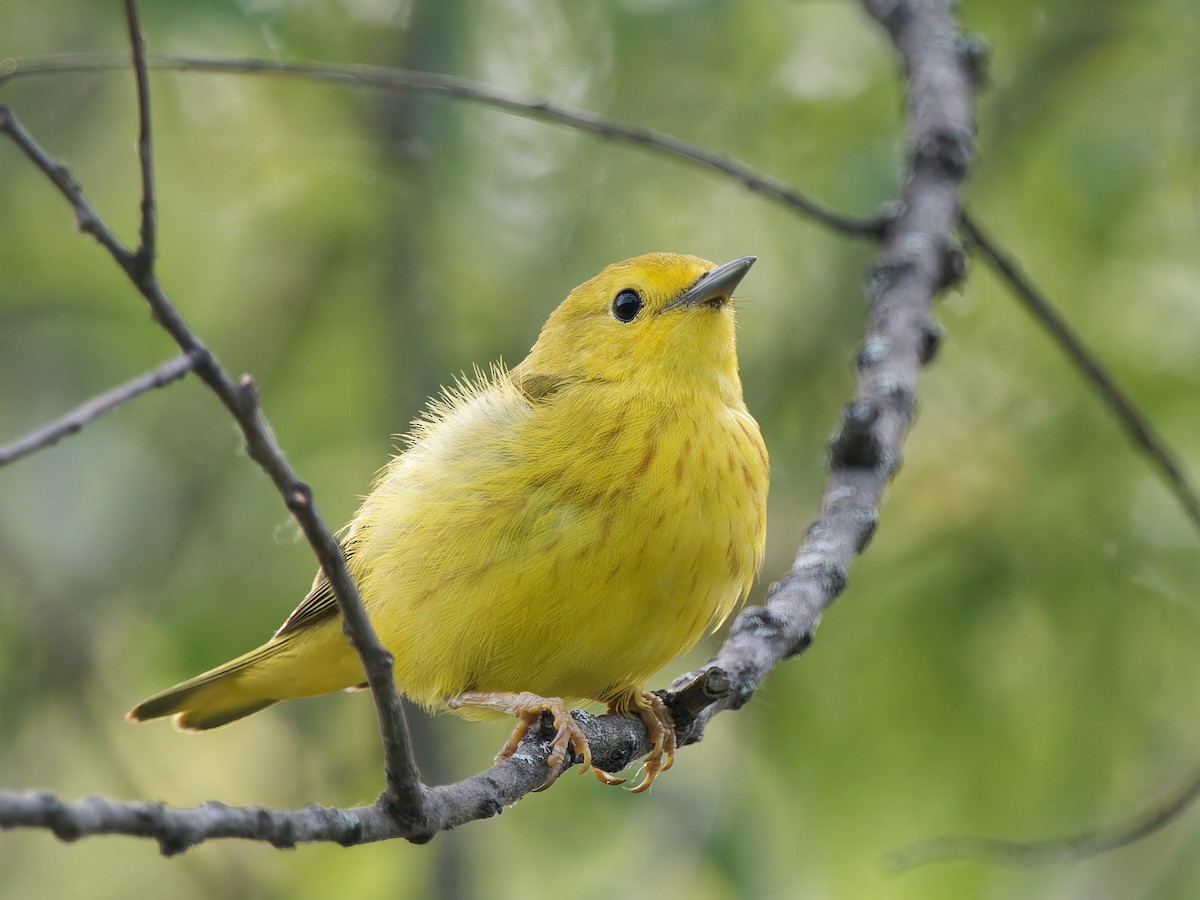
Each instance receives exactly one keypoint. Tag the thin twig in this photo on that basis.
(1001, 851)
(1135, 423)
(147, 250)
(52, 432)
(1073, 848)
(429, 82)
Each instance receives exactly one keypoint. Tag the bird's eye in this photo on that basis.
(627, 305)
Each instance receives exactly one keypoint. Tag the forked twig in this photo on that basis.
(404, 796)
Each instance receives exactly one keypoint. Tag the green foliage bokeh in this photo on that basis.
(1015, 655)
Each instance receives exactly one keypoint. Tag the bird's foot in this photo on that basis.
(528, 708)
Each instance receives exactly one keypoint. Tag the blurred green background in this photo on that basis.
(1016, 655)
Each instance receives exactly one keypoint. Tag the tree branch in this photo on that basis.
(404, 793)
(86, 218)
(53, 432)
(1069, 849)
(1135, 423)
(616, 741)
(1079, 846)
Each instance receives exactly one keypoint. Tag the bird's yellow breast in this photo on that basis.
(569, 546)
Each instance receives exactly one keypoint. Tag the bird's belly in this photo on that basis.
(584, 620)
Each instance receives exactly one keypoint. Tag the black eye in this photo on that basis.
(627, 305)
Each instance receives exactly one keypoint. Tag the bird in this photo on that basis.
(550, 533)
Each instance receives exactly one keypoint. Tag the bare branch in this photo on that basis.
(1073, 848)
(1135, 423)
(71, 422)
(177, 829)
(428, 82)
(615, 741)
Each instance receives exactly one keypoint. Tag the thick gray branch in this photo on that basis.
(918, 259)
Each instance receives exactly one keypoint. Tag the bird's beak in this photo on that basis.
(715, 287)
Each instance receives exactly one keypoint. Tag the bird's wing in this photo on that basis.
(319, 604)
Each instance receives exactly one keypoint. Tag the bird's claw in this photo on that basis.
(607, 777)
(661, 726)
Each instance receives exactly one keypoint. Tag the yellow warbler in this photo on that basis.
(554, 532)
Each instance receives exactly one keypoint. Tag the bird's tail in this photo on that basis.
(216, 697)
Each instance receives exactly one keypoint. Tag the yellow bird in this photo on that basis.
(553, 533)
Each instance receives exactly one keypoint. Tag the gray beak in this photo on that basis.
(715, 287)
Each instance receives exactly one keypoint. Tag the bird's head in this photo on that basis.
(660, 320)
